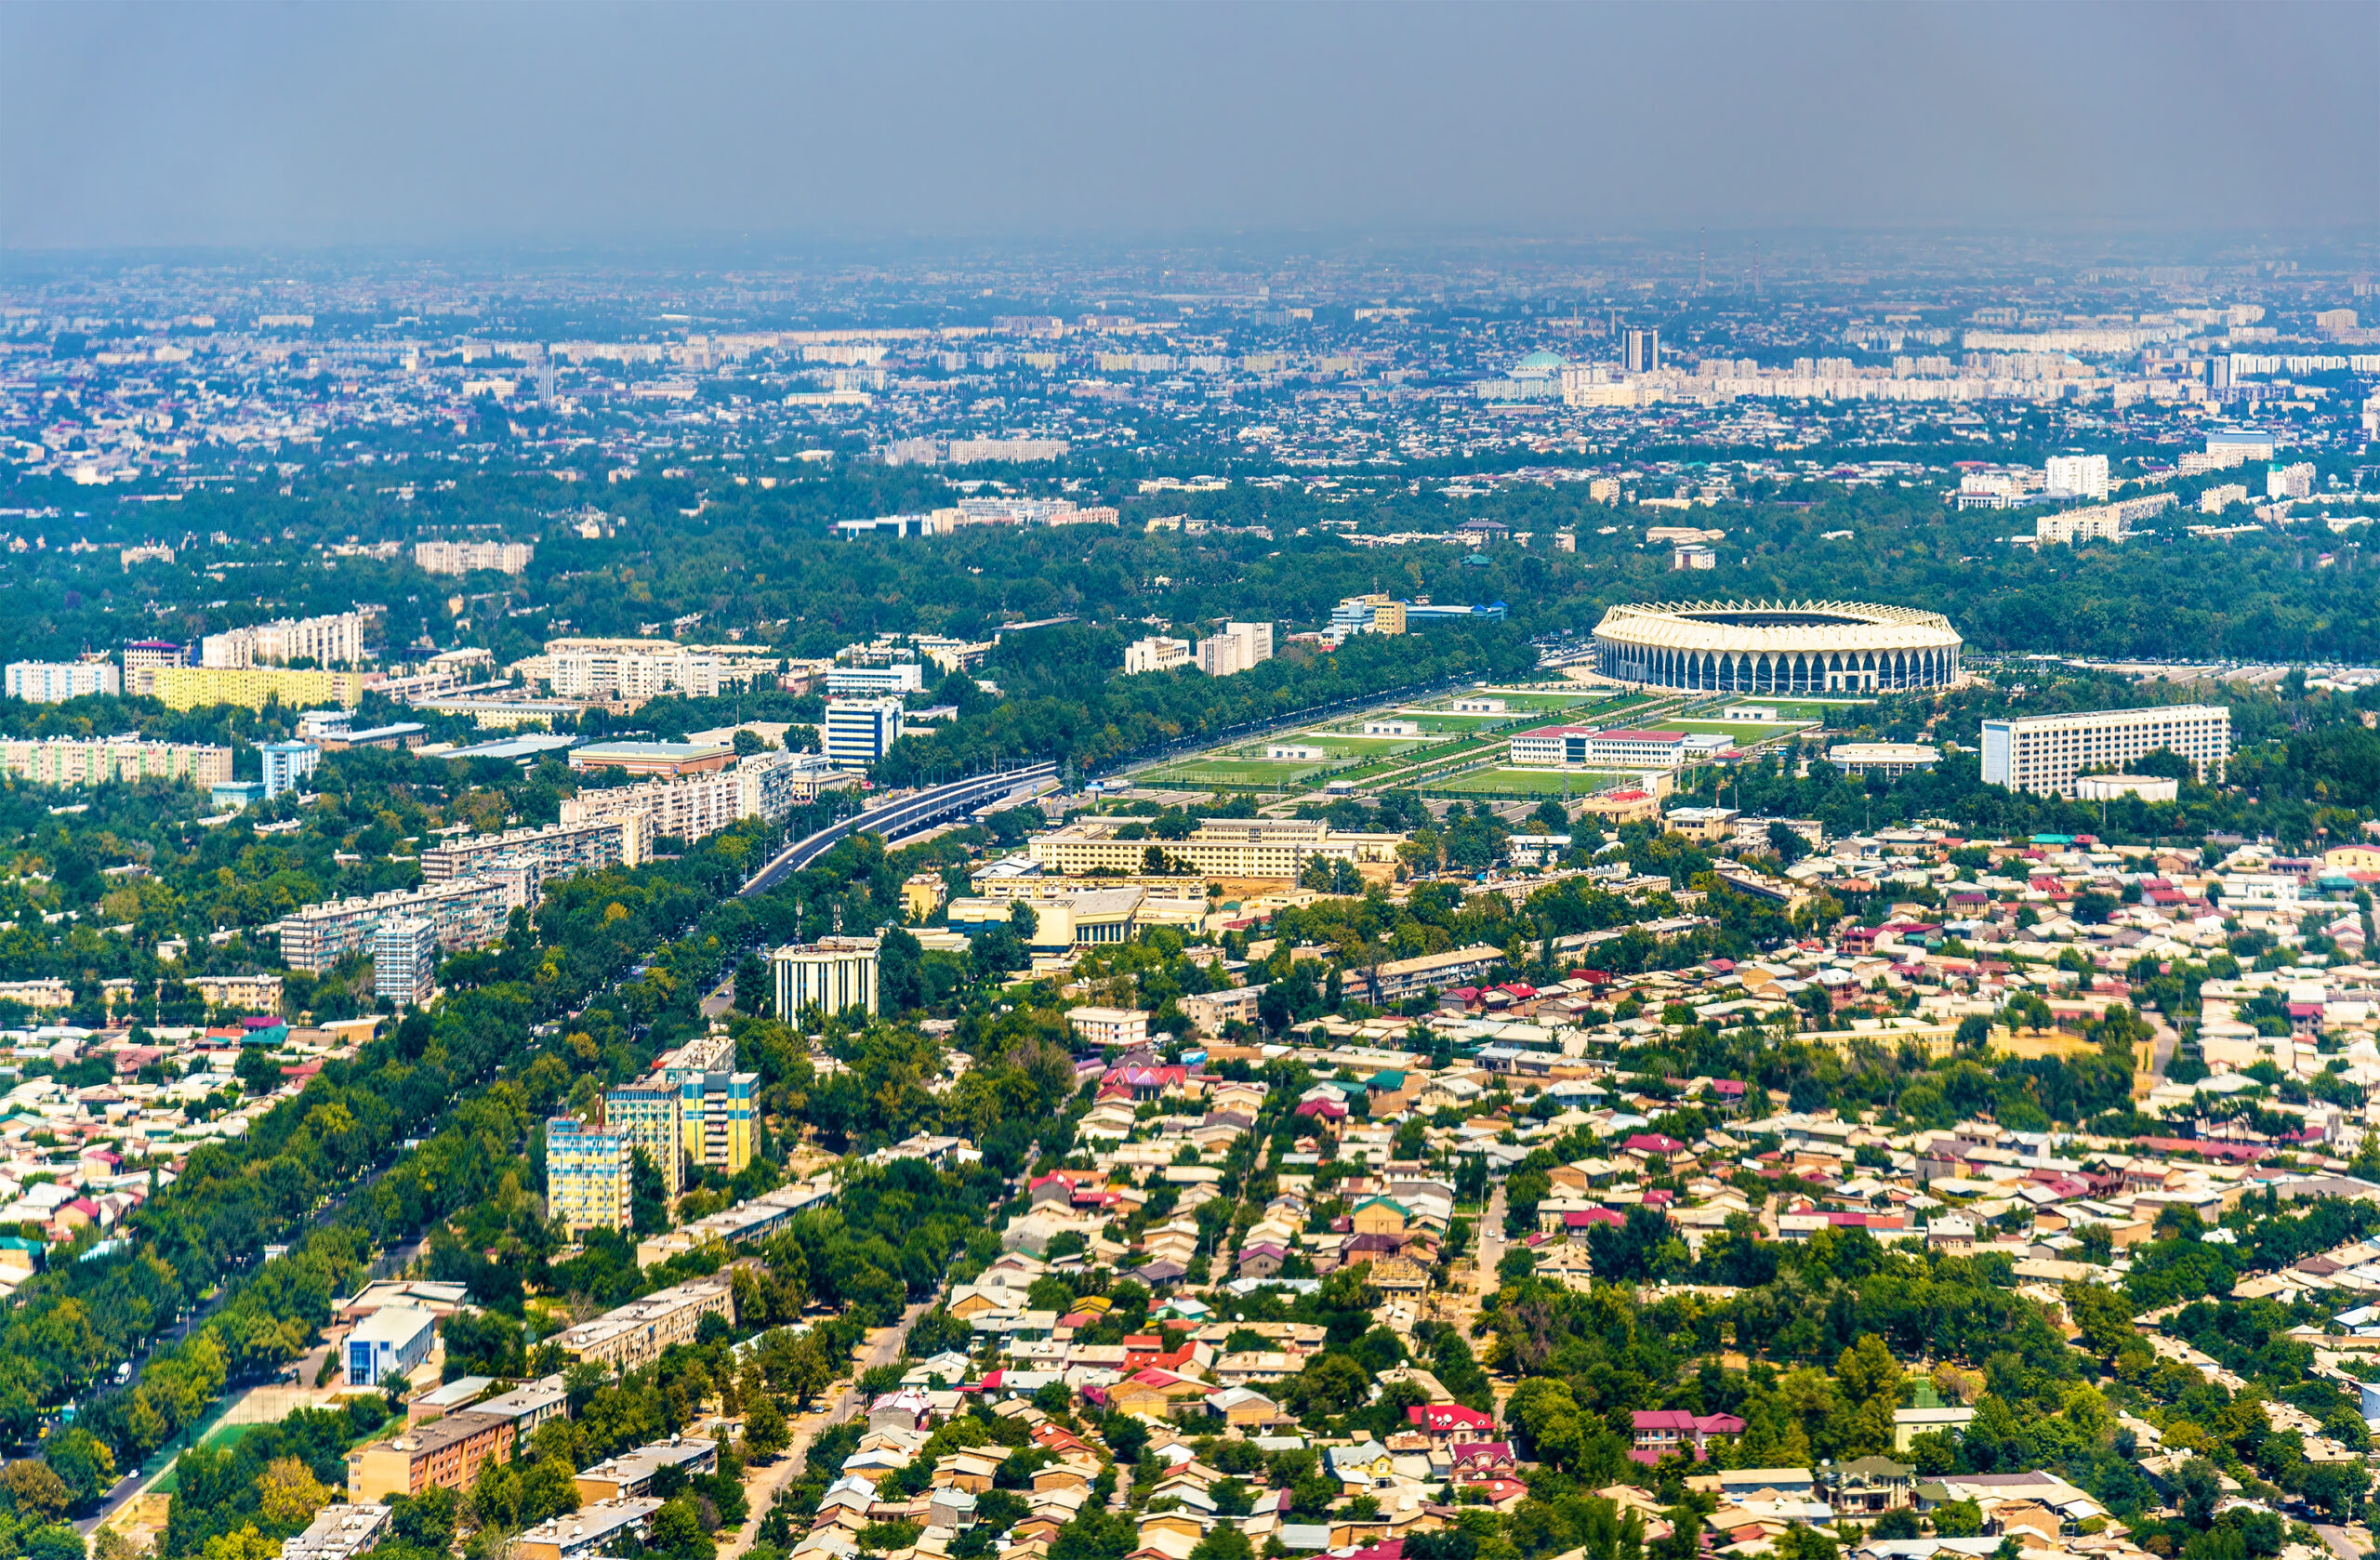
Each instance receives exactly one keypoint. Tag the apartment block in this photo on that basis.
(587, 1179)
(258, 994)
(716, 1112)
(599, 1527)
(1110, 1028)
(831, 975)
(335, 640)
(2045, 753)
(634, 1335)
(55, 681)
(2083, 476)
(556, 851)
(287, 765)
(710, 1052)
(404, 960)
(1209, 1012)
(756, 1219)
(468, 912)
(340, 1532)
(645, 1114)
(635, 671)
(529, 1405)
(254, 687)
(142, 659)
(2290, 481)
(2068, 526)
(77, 761)
(1237, 648)
(444, 1454)
(1401, 978)
(763, 786)
(464, 558)
(46, 995)
(633, 1473)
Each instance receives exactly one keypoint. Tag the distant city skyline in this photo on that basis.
(236, 125)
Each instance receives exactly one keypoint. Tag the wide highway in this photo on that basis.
(896, 819)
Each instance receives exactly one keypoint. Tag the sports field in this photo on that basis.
(1525, 782)
(1342, 745)
(1521, 703)
(1235, 772)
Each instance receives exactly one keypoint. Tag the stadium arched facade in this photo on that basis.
(1777, 648)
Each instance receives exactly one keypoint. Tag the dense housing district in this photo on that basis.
(1192, 914)
(1183, 1184)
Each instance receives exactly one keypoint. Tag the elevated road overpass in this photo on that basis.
(904, 817)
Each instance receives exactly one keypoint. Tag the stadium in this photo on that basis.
(1779, 648)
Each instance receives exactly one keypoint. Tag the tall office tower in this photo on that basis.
(830, 974)
(860, 732)
(1641, 352)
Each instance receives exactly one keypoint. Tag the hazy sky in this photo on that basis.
(227, 123)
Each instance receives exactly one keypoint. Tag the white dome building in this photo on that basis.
(1778, 648)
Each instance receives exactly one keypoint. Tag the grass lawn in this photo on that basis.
(1338, 745)
(219, 1438)
(1235, 771)
(1526, 781)
(1517, 702)
(1463, 752)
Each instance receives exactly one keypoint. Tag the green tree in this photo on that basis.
(82, 1462)
(764, 1428)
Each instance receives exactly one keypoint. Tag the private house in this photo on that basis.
(1864, 1489)
(1157, 1394)
(1741, 1486)
(1450, 1422)
(1243, 1409)
(1661, 1432)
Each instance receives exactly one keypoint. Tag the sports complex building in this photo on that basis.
(1784, 647)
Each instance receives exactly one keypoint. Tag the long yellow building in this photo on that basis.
(1221, 848)
(253, 687)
